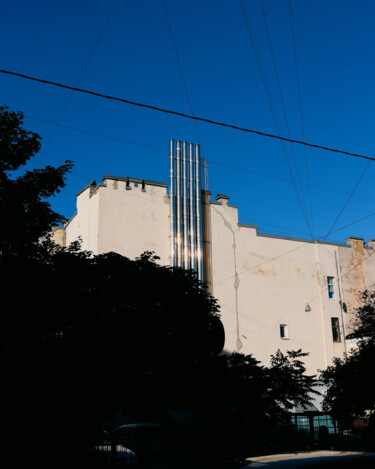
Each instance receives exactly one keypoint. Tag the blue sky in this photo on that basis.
(134, 58)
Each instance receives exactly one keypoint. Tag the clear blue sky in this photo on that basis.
(134, 58)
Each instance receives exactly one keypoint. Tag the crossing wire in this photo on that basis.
(265, 85)
(283, 106)
(181, 114)
(79, 77)
(301, 114)
(162, 150)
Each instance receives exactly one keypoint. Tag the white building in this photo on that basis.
(275, 292)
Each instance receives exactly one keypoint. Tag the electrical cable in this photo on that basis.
(348, 200)
(280, 178)
(187, 116)
(301, 114)
(79, 78)
(235, 168)
(186, 90)
(283, 106)
(181, 70)
(265, 85)
(353, 223)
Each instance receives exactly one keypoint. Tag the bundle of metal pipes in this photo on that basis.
(186, 208)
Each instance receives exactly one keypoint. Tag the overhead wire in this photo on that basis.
(301, 115)
(354, 222)
(162, 150)
(265, 85)
(206, 172)
(348, 200)
(283, 106)
(180, 68)
(187, 116)
(79, 77)
(280, 178)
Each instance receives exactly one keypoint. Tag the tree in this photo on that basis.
(242, 403)
(351, 390)
(90, 335)
(25, 211)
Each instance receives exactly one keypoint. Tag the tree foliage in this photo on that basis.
(243, 402)
(25, 211)
(87, 335)
(351, 391)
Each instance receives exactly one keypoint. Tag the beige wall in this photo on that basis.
(261, 281)
(357, 271)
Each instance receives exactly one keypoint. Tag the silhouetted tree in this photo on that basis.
(25, 211)
(85, 336)
(244, 401)
(351, 389)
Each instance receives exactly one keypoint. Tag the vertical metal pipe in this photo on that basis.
(172, 200)
(178, 204)
(192, 231)
(198, 213)
(185, 207)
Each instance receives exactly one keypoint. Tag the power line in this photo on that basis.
(354, 222)
(283, 106)
(97, 134)
(185, 83)
(180, 68)
(280, 178)
(181, 114)
(348, 199)
(301, 114)
(266, 89)
(81, 176)
(235, 168)
(80, 76)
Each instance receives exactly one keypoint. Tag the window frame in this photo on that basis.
(336, 332)
(331, 283)
(284, 333)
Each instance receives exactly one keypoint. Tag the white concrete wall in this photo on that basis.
(261, 281)
(129, 222)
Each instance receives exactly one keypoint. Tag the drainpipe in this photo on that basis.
(341, 300)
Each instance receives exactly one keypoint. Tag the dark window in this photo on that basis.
(331, 287)
(284, 331)
(336, 329)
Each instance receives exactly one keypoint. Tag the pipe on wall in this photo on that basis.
(172, 200)
(198, 213)
(192, 207)
(185, 207)
(178, 205)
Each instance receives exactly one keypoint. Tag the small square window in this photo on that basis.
(284, 331)
(336, 329)
(331, 287)
(136, 184)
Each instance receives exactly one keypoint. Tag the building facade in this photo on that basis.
(275, 292)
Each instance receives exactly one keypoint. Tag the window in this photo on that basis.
(336, 329)
(284, 331)
(331, 287)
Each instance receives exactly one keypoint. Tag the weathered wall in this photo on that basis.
(357, 271)
(261, 281)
